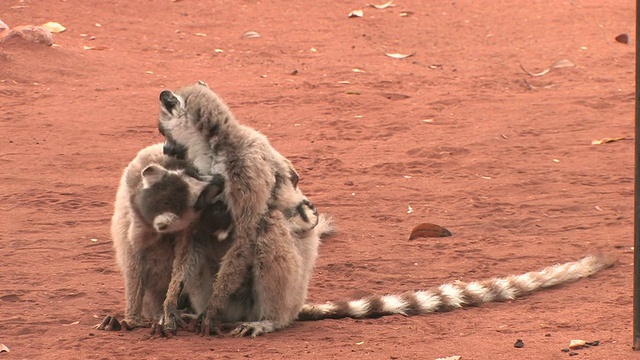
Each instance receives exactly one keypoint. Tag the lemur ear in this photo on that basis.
(210, 192)
(202, 83)
(152, 174)
(169, 100)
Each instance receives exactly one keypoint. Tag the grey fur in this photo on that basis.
(458, 294)
(153, 206)
(263, 277)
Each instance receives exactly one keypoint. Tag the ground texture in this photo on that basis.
(458, 133)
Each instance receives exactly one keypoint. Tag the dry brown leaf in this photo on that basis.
(606, 140)
(250, 35)
(383, 6)
(398, 56)
(95, 47)
(356, 13)
(576, 344)
(4, 348)
(428, 230)
(54, 27)
(564, 63)
(3, 26)
(622, 38)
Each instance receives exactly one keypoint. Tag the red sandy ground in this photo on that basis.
(505, 162)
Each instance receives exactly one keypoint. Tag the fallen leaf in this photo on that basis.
(4, 348)
(360, 343)
(428, 230)
(94, 240)
(455, 357)
(622, 38)
(250, 35)
(356, 13)
(95, 47)
(406, 13)
(606, 140)
(398, 56)
(428, 120)
(218, 50)
(356, 70)
(200, 34)
(576, 344)
(409, 210)
(54, 27)
(344, 82)
(353, 92)
(383, 6)
(564, 63)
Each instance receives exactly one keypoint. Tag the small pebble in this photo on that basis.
(573, 353)
(519, 344)
(565, 350)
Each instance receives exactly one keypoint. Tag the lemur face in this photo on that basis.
(170, 200)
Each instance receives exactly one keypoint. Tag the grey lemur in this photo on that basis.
(274, 249)
(158, 198)
(262, 282)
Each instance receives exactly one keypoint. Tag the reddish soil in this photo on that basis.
(458, 132)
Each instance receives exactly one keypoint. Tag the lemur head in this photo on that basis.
(189, 118)
(171, 200)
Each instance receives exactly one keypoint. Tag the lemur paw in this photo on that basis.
(207, 323)
(308, 217)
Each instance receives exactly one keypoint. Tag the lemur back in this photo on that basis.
(274, 247)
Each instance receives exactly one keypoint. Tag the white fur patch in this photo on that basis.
(525, 282)
(165, 222)
(504, 289)
(427, 301)
(479, 291)
(393, 304)
(359, 308)
(453, 293)
(222, 235)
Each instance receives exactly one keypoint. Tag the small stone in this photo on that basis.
(622, 38)
(565, 350)
(519, 344)
(593, 343)
(573, 353)
(349, 183)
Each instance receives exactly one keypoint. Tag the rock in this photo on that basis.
(28, 33)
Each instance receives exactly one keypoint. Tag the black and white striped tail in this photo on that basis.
(458, 294)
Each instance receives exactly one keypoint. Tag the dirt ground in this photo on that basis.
(458, 132)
